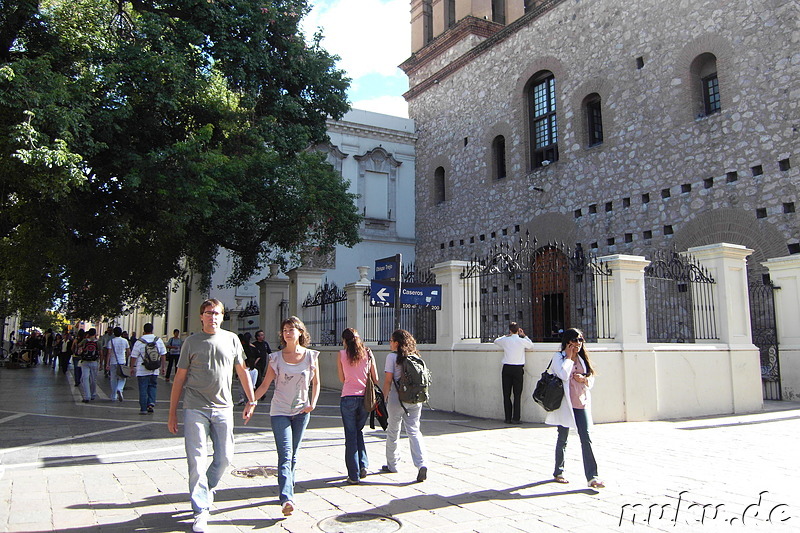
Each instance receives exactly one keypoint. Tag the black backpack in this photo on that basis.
(151, 359)
(91, 351)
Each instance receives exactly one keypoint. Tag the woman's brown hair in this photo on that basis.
(353, 345)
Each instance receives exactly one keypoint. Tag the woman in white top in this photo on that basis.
(294, 369)
(402, 343)
(573, 366)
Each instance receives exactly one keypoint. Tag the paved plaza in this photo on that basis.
(74, 467)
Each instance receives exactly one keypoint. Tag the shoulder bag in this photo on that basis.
(369, 393)
(120, 366)
(549, 390)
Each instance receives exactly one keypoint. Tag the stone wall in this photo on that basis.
(728, 177)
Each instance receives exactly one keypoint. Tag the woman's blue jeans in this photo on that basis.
(589, 463)
(288, 433)
(354, 416)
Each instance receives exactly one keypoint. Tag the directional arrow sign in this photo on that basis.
(382, 294)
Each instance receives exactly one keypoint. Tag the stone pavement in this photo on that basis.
(76, 467)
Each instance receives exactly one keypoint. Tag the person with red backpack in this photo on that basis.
(89, 349)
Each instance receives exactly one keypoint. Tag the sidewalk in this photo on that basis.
(76, 467)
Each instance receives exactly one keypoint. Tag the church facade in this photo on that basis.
(619, 127)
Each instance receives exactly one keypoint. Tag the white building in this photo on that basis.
(376, 154)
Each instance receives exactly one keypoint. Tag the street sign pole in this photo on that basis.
(397, 291)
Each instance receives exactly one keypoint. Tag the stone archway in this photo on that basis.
(734, 226)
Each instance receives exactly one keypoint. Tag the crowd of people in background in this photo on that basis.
(205, 363)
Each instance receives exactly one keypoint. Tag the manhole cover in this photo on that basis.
(255, 471)
(359, 522)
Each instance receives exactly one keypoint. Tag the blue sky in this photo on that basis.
(372, 37)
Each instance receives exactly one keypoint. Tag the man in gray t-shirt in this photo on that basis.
(203, 377)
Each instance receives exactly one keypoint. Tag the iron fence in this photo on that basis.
(419, 321)
(765, 336)
(325, 314)
(679, 299)
(544, 289)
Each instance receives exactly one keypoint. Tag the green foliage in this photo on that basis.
(138, 138)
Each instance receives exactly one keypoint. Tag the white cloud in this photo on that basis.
(371, 36)
(388, 105)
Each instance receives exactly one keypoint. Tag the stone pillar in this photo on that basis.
(626, 310)
(627, 318)
(785, 274)
(453, 315)
(272, 291)
(302, 282)
(355, 300)
(727, 264)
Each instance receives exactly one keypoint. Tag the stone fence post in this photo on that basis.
(727, 264)
(785, 274)
(626, 302)
(453, 315)
(302, 282)
(627, 312)
(272, 291)
(356, 306)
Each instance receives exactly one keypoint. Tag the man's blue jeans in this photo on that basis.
(147, 391)
(354, 416)
(288, 433)
(198, 426)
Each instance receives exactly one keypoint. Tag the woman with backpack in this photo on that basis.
(403, 345)
(356, 367)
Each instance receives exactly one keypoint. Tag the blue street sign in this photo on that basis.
(382, 294)
(421, 295)
(386, 268)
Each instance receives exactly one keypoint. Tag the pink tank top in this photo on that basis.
(355, 376)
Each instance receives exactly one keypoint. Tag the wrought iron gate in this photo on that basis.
(765, 336)
(325, 314)
(546, 289)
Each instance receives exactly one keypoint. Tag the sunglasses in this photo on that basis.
(579, 339)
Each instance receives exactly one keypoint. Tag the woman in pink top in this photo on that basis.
(356, 365)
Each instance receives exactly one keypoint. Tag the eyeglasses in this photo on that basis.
(212, 313)
(579, 339)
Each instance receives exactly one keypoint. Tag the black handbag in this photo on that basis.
(549, 390)
(379, 413)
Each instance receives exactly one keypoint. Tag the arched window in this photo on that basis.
(704, 77)
(499, 157)
(439, 195)
(542, 116)
(594, 119)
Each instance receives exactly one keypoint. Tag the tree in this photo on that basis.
(138, 138)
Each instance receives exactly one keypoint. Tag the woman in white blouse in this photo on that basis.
(573, 366)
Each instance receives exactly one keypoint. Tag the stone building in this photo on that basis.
(620, 126)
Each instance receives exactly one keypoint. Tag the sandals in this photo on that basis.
(596, 484)
(560, 479)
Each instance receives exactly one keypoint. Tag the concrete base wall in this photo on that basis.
(653, 382)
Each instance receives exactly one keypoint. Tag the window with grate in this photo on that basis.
(711, 94)
(499, 11)
(542, 111)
